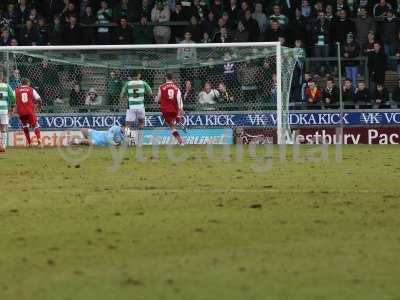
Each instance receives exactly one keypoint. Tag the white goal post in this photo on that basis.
(269, 65)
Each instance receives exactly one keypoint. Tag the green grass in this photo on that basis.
(200, 229)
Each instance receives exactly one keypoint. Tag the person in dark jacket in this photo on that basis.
(377, 65)
(330, 94)
(274, 32)
(396, 93)
(77, 96)
(348, 91)
(388, 33)
(297, 27)
(351, 50)
(320, 37)
(362, 94)
(72, 32)
(43, 33)
(123, 34)
(178, 15)
(88, 32)
(380, 95)
(28, 35)
(56, 32)
(194, 29)
(342, 27)
(251, 27)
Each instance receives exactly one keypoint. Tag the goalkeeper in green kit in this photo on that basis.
(135, 90)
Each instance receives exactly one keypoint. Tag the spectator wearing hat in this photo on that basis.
(351, 51)
(160, 14)
(92, 98)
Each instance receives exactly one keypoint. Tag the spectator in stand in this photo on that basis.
(306, 81)
(187, 55)
(225, 95)
(341, 5)
(351, 51)
(217, 8)
(92, 98)
(160, 14)
(320, 37)
(189, 94)
(5, 38)
(244, 5)
(297, 26)
(199, 10)
(330, 94)
(278, 16)
(70, 11)
(380, 96)
(143, 32)
(233, 11)
(389, 33)
(362, 94)
(28, 35)
(178, 15)
(313, 93)
(261, 18)
(88, 32)
(318, 6)
(126, 9)
(14, 42)
(123, 34)
(208, 24)
(11, 16)
(274, 32)
(43, 33)
(342, 27)
(114, 87)
(251, 26)
(15, 79)
(396, 93)
(145, 9)
(56, 32)
(33, 16)
(241, 35)
(194, 29)
(347, 91)
(208, 97)
(76, 96)
(369, 45)
(223, 36)
(377, 66)
(22, 12)
(397, 46)
(381, 8)
(306, 10)
(364, 24)
(72, 32)
(104, 17)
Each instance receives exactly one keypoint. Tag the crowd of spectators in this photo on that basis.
(363, 28)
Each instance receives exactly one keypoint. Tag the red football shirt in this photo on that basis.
(170, 97)
(26, 98)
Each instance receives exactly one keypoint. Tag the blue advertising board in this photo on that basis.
(213, 120)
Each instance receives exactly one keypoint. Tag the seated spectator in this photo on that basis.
(189, 94)
(225, 94)
(206, 38)
(194, 29)
(77, 96)
(123, 33)
(208, 97)
(362, 94)
(222, 36)
(143, 32)
(5, 38)
(278, 16)
(396, 93)
(261, 18)
(348, 91)
(313, 93)
(240, 35)
(381, 95)
(28, 35)
(160, 14)
(330, 94)
(92, 98)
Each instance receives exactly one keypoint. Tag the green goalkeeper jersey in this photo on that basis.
(7, 98)
(136, 89)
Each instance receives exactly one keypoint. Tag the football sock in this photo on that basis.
(27, 136)
(37, 133)
(178, 137)
(3, 138)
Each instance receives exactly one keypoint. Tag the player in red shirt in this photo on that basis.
(170, 98)
(27, 100)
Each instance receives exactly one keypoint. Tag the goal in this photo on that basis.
(251, 81)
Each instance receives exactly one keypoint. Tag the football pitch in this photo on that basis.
(116, 227)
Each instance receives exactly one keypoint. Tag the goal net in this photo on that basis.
(254, 79)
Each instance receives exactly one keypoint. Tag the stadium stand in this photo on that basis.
(368, 31)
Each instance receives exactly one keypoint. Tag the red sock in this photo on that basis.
(27, 136)
(178, 137)
(37, 133)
